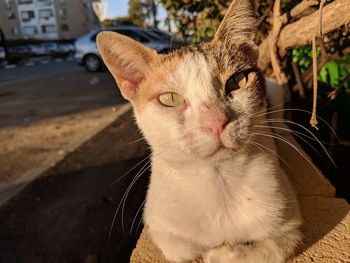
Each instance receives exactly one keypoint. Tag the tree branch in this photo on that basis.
(300, 85)
(276, 29)
(300, 33)
(300, 9)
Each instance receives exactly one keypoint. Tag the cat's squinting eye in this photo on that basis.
(171, 99)
(235, 82)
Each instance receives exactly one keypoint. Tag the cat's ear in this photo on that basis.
(126, 59)
(238, 25)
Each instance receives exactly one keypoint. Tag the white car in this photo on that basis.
(87, 53)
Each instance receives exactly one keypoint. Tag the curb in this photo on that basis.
(51, 161)
(31, 63)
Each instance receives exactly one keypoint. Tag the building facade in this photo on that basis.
(47, 19)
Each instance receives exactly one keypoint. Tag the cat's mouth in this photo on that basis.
(221, 152)
(213, 148)
(226, 148)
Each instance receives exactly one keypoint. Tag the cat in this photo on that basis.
(213, 193)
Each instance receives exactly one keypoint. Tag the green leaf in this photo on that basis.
(330, 74)
(295, 52)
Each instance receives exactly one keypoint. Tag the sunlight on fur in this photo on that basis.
(217, 189)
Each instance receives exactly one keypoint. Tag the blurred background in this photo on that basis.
(63, 143)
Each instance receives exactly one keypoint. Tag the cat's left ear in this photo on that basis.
(239, 26)
(128, 61)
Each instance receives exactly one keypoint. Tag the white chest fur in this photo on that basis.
(238, 201)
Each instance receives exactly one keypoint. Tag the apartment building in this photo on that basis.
(47, 19)
(9, 22)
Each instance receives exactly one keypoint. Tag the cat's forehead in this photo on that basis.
(197, 71)
(194, 70)
(188, 73)
(209, 53)
(216, 55)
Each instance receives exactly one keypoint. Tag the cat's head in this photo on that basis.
(198, 101)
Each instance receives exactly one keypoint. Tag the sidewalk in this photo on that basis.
(33, 61)
(27, 152)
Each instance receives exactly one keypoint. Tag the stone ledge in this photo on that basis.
(325, 229)
(306, 180)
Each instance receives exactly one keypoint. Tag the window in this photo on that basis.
(14, 31)
(45, 2)
(45, 14)
(27, 15)
(8, 4)
(93, 38)
(48, 29)
(63, 13)
(133, 34)
(64, 27)
(24, 2)
(29, 30)
(11, 15)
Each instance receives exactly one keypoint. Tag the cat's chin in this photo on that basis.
(222, 152)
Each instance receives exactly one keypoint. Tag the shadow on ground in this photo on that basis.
(66, 215)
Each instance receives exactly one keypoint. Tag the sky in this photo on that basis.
(116, 8)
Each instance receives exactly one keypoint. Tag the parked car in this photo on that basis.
(172, 41)
(51, 48)
(19, 50)
(67, 48)
(87, 53)
(38, 50)
(2, 53)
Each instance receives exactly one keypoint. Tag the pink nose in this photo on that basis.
(214, 126)
(213, 118)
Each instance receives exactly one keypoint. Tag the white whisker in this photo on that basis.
(306, 111)
(293, 132)
(249, 142)
(264, 111)
(305, 129)
(129, 171)
(137, 213)
(125, 194)
(129, 189)
(293, 146)
(136, 141)
(276, 154)
(138, 225)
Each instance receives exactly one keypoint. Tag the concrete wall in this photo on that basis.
(76, 16)
(10, 26)
(70, 19)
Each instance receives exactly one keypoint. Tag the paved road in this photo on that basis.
(36, 70)
(52, 90)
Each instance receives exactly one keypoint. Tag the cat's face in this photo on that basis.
(198, 101)
(212, 96)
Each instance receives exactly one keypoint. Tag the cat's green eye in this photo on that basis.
(235, 82)
(171, 99)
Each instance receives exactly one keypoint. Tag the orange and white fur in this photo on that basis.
(213, 192)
